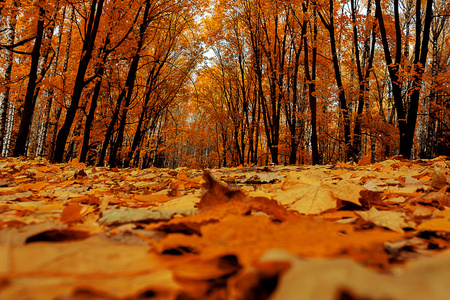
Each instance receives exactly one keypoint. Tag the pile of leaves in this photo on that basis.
(344, 231)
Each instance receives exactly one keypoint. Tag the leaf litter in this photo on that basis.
(343, 231)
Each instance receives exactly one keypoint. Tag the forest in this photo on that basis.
(171, 83)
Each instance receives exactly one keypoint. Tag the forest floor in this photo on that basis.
(362, 231)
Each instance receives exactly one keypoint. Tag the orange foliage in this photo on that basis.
(220, 84)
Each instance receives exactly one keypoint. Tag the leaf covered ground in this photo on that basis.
(367, 231)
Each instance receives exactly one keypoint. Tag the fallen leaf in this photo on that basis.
(308, 200)
(423, 211)
(428, 278)
(72, 213)
(128, 215)
(205, 278)
(217, 193)
(365, 160)
(437, 199)
(393, 220)
(16, 196)
(438, 224)
(19, 235)
(440, 177)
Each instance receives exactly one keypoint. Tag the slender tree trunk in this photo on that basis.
(80, 83)
(363, 71)
(156, 109)
(9, 128)
(292, 107)
(53, 126)
(337, 72)
(36, 142)
(393, 68)
(420, 59)
(110, 129)
(406, 121)
(29, 103)
(138, 133)
(90, 117)
(128, 89)
(293, 117)
(49, 92)
(311, 81)
(4, 95)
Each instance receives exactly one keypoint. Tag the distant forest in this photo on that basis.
(208, 84)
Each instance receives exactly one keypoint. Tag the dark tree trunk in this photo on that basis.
(110, 129)
(337, 72)
(29, 103)
(129, 86)
(80, 82)
(138, 133)
(420, 60)
(393, 69)
(406, 120)
(4, 96)
(90, 117)
(311, 78)
(363, 76)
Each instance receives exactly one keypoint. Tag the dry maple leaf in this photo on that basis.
(218, 193)
(390, 219)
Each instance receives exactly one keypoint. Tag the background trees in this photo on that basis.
(170, 83)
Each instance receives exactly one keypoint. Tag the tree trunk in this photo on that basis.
(311, 81)
(129, 87)
(49, 92)
(363, 76)
(53, 126)
(337, 72)
(4, 96)
(90, 117)
(80, 83)
(406, 122)
(420, 59)
(29, 103)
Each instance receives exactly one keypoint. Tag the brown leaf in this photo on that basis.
(128, 215)
(345, 279)
(72, 213)
(202, 278)
(16, 196)
(217, 193)
(423, 211)
(19, 235)
(365, 160)
(436, 199)
(389, 219)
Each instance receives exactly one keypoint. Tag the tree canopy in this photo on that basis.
(225, 83)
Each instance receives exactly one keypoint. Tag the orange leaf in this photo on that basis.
(72, 213)
(217, 193)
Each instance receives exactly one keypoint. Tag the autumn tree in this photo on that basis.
(5, 105)
(364, 54)
(172, 63)
(104, 52)
(406, 110)
(91, 29)
(311, 76)
(30, 100)
(161, 83)
(328, 19)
